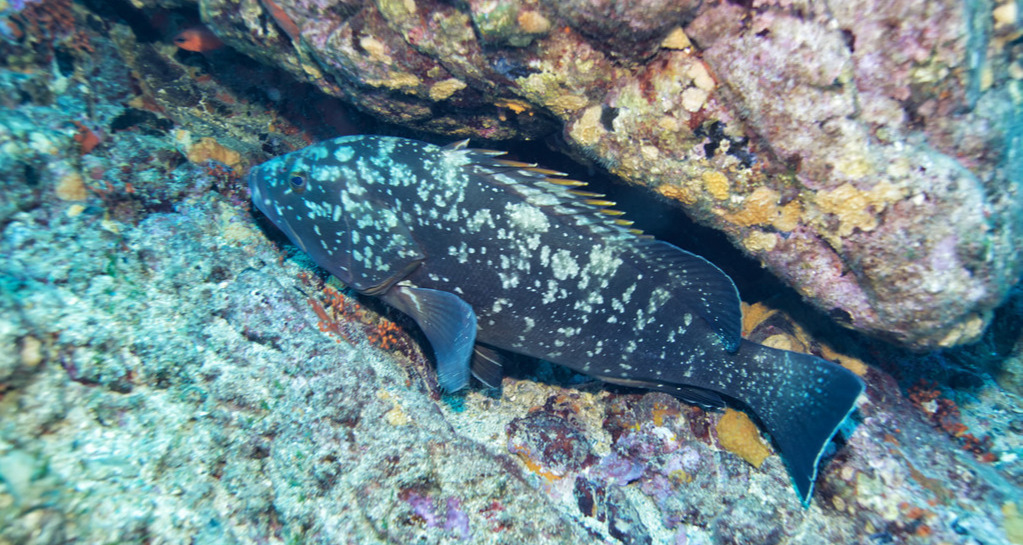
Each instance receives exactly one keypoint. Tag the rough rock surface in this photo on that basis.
(867, 152)
(169, 374)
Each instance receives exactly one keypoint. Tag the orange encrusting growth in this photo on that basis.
(332, 308)
(944, 415)
(337, 311)
(533, 465)
(384, 334)
(739, 435)
(87, 138)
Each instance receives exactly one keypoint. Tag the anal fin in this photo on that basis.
(487, 365)
(697, 396)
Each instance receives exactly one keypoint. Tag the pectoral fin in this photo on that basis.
(448, 322)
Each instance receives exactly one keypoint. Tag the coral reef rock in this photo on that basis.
(172, 373)
(866, 152)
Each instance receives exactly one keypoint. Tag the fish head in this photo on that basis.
(279, 187)
(329, 200)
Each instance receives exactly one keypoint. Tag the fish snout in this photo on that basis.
(252, 180)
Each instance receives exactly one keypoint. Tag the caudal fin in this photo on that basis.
(801, 406)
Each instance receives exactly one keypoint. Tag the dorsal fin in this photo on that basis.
(553, 189)
(714, 294)
(718, 298)
(461, 144)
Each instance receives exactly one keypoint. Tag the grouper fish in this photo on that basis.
(481, 251)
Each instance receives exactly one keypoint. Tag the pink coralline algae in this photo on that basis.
(451, 518)
(868, 153)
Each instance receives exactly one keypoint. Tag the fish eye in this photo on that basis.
(297, 182)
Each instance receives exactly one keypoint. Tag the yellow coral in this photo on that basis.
(71, 187)
(568, 103)
(759, 241)
(780, 341)
(588, 130)
(31, 351)
(398, 80)
(679, 476)
(788, 217)
(693, 99)
(376, 49)
(1006, 15)
(209, 149)
(700, 76)
(676, 39)
(716, 184)
(857, 209)
(516, 106)
(967, 331)
(396, 416)
(677, 193)
(855, 365)
(649, 153)
(533, 22)
(1013, 523)
(759, 208)
(753, 315)
(444, 89)
(668, 123)
(739, 435)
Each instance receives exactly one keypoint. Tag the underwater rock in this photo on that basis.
(179, 373)
(169, 374)
(868, 155)
(548, 444)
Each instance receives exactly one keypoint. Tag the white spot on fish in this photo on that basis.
(508, 280)
(344, 154)
(527, 218)
(563, 265)
(603, 260)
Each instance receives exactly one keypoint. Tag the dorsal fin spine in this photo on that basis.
(461, 144)
(587, 208)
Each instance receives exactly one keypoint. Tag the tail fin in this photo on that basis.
(802, 405)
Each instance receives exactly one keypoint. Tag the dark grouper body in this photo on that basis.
(479, 250)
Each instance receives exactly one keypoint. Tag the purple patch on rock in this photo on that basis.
(423, 508)
(457, 522)
(620, 470)
(453, 519)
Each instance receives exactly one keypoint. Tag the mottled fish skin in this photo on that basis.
(477, 249)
